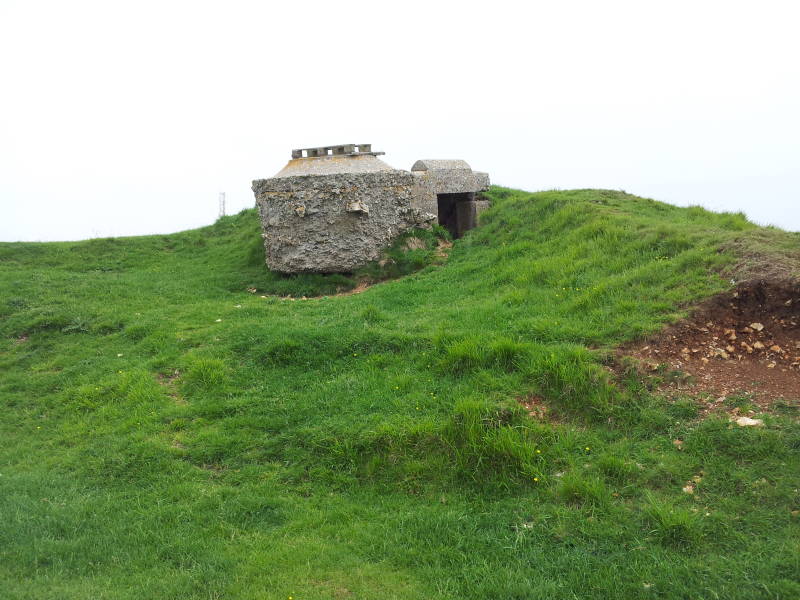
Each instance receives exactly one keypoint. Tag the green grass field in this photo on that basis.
(166, 433)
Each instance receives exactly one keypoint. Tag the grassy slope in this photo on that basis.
(371, 446)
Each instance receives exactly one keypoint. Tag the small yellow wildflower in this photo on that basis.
(536, 479)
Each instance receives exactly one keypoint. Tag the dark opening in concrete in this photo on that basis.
(457, 212)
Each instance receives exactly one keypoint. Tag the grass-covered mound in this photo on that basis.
(167, 433)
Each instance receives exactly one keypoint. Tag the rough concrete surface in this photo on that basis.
(450, 176)
(335, 223)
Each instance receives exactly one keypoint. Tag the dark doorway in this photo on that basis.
(456, 212)
(447, 212)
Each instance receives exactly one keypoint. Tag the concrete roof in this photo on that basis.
(428, 164)
(333, 165)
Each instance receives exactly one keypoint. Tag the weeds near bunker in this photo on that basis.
(410, 252)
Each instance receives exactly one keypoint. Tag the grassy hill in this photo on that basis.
(174, 425)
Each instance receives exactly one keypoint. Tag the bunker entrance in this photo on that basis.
(457, 212)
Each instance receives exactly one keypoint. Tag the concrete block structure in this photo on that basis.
(453, 186)
(333, 209)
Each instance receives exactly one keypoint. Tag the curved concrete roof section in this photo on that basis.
(427, 164)
(333, 165)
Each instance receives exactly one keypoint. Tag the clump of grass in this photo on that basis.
(202, 375)
(683, 408)
(77, 325)
(469, 354)
(720, 437)
(582, 490)
(617, 469)
(570, 377)
(371, 314)
(488, 439)
(673, 525)
(282, 352)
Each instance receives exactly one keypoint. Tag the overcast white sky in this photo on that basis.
(121, 118)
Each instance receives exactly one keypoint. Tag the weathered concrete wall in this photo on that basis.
(480, 206)
(336, 222)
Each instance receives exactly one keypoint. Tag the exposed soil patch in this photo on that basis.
(360, 287)
(443, 248)
(535, 406)
(538, 409)
(743, 342)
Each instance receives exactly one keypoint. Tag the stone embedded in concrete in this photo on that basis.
(335, 208)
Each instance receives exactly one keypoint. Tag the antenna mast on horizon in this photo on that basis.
(222, 204)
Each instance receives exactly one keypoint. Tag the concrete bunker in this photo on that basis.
(335, 208)
(456, 188)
